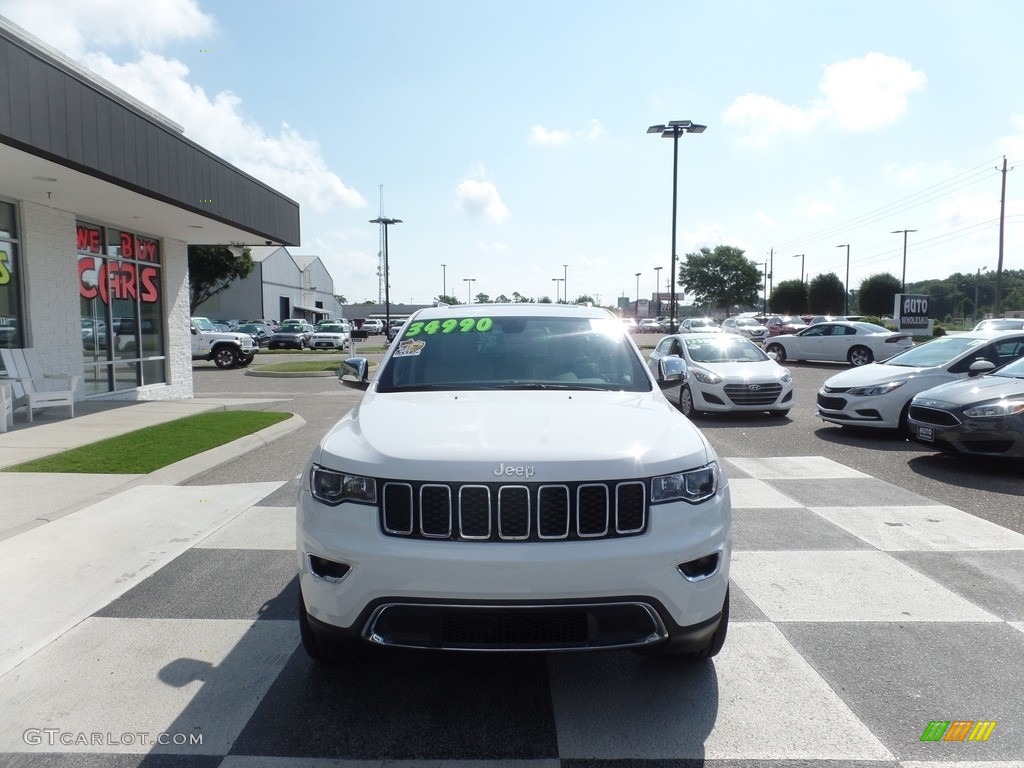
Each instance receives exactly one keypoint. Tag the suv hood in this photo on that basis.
(517, 436)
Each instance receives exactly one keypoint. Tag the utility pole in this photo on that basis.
(904, 233)
(997, 309)
(771, 267)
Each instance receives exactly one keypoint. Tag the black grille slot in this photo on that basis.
(553, 512)
(831, 403)
(630, 506)
(745, 394)
(933, 416)
(475, 512)
(515, 629)
(592, 510)
(436, 511)
(514, 512)
(398, 512)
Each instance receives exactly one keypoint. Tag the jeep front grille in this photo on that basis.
(527, 512)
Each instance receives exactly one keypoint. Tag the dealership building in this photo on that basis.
(100, 197)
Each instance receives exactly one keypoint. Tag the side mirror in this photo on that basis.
(980, 367)
(354, 372)
(195, 331)
(673, 372)
(773, 355)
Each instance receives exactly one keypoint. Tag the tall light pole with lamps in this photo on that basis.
(556, 281)
(469, 288)
(846, 285)
(904, 232)
(386, 222)
(444, 280)
(674, 130)
(565, 282)
(801, 257)
(637, 313)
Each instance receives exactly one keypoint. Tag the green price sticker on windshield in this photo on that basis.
(451, 325)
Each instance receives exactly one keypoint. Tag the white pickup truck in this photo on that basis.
(226, 349)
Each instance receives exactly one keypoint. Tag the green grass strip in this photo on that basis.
(149, 449)
(299, 366)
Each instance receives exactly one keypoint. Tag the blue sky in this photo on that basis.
(510, 137)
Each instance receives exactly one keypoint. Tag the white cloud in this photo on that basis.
(288, 162)
(543, 137)
(480, 199)
(869, 93)
(764, 218)
(857, 95)
(1013, 145)
(492, 247)
(75, 26)
(817, 209)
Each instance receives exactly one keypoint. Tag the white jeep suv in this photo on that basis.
(513, 479)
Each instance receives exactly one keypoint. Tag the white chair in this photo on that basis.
(32, 388)
(6, 406)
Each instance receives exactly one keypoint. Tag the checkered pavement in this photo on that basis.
(861, 612)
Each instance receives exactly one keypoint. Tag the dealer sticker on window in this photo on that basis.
(409, 347)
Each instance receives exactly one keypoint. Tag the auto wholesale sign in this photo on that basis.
(911, 312)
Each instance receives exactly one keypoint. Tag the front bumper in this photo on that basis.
(549, 595)
(879, 411)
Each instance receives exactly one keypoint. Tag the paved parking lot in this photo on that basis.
(863, 610)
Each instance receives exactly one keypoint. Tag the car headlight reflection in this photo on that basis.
(878, 389)
(333, 488)
(786, 376)
(1000, 409)
(693, 487)
(705, 377)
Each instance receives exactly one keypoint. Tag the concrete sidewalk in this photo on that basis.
(30, 500)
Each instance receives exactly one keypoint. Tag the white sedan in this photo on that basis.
(721, 372)
(879, 395)
(857, 343)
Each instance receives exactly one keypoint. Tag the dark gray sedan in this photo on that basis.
(983, 416)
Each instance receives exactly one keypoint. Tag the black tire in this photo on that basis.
(225, 357)
(686, 402)
(244, 361)
(318, 648)
(858, 356)
(779, 350)
(904, 423)
(717, 640)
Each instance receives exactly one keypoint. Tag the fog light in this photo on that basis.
(328, 570)
(701, 568)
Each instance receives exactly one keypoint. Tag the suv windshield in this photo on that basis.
(514, 353)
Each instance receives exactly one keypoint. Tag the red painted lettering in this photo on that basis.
(127, 245)
(150, 289)
(88, 285)
(146, 250)
(88, 239)
(122, 280)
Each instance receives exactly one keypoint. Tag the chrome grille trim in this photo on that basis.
(431, 531)
(395, 488)
(514, 512)
(592, 531)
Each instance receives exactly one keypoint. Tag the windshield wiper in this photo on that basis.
(550, 385)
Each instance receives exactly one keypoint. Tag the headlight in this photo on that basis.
(705, 377)
(693, 487)
(878, 389)
(786, 376)
(332, 487)
(1002, 408)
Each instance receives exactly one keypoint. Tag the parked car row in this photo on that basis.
(960, 393)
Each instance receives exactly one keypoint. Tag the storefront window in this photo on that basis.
(12, 326)
(121, 298)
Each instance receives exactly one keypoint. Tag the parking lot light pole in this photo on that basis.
(637, 313)
(904, 232)
(469, 288)
(556, 281)
(846, 285)
(444, 281)
(385, 223)
(801, 257)
(674, 130)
